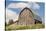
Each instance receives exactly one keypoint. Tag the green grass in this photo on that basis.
(20, 27)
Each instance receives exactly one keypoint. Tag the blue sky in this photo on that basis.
(38, 7)
(41, 10)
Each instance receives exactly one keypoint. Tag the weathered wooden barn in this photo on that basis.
(26, 17)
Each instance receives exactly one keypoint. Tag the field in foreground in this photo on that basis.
(20, 27)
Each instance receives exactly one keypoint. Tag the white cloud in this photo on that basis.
(11, 15)
(35, 6)
(17, 5)
(32, 5)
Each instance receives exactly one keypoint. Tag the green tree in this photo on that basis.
(10, 21)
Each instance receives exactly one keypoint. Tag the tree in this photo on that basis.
(10, 21)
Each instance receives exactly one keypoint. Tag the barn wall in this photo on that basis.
(26, 18)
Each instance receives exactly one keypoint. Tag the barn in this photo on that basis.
(26, 17)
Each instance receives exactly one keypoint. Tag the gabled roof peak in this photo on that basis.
(27, 9)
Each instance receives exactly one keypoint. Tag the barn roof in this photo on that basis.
(34, 15)
(28, 9)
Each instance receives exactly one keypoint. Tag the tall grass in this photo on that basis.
(21, 27)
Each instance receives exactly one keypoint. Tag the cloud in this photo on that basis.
(32, 5)
(11, 15)
(35, 7)
(17, 5)
(22, 5)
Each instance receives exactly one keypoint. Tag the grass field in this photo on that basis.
(20, 27)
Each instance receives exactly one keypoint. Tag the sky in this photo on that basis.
(13, 8)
